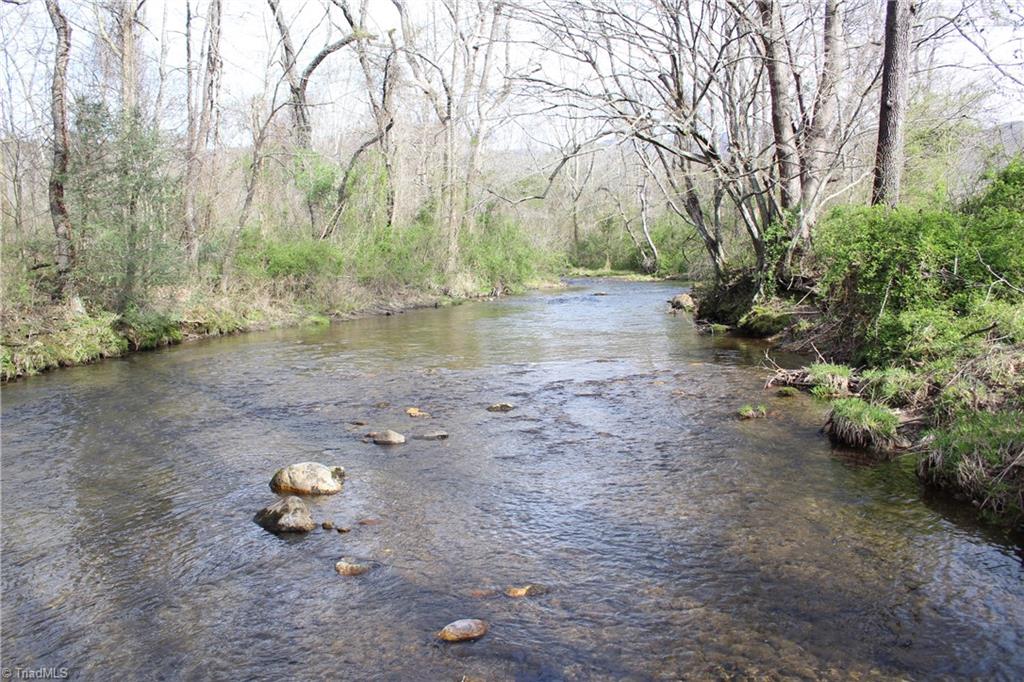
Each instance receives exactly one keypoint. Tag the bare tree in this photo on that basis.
(198, 132)
(65, 252)
(895, 85)
(298, 80)
(381, 98)
(456, 78)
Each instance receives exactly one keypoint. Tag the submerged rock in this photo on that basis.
(501, 407)
(463, 630)
(416, 412)
(600, 293)
(434, 434)
(308, 478)
(349, 566)
(683, 302)
(526, 591)
(287, 515)
(386, 437)
(327, 525)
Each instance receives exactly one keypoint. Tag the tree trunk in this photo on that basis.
(818, 149)
(782, 123)
(199, 127)
(65, 253)
(895, 77)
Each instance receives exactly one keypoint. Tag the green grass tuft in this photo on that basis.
(982, 455)
(752, 412)
(858, 423)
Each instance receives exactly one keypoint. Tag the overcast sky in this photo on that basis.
(249, 35)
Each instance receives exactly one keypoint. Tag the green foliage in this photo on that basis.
(80, 339)
(787, 392)
(316, 177)
(934, 146)
(893, 386)
(752, 412)
(316, 320)
(765, 320)
(829, 380)
(499, 254)
(150, 329)
(978, 454)
(123, 201)
(679, 248)
(607, 247)
(996, 228)
(301, 259)
(858, 423)
(392, 256)
(915, 285)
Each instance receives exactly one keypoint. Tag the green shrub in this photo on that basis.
(916, 285)
(499, 254)
(300, 258)
(148, 329)
(893, 386)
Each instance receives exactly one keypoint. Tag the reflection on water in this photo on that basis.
(675, 540)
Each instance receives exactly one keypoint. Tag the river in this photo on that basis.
(675, 540)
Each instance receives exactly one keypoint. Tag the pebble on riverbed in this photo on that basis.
(501, 407)
(350, 567)
(463, 630)
(525, 591)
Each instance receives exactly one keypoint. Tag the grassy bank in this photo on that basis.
(275, 281)
(70, 334)
(920, 313)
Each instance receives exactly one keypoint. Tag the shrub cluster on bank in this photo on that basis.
(928, 305)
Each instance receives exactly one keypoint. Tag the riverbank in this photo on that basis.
(69, 334)
(916, 315)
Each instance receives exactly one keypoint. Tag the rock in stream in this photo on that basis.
(308, 478)
(287, 515)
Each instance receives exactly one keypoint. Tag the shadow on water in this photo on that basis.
(676, 540)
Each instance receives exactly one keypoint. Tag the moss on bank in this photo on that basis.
(67, 335)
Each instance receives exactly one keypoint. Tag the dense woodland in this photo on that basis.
(837, 174)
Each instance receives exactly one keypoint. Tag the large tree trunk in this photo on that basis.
(895, 77)
(126, 16)
(65, 252)
(782, 123)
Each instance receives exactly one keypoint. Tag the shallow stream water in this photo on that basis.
(675, 540)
